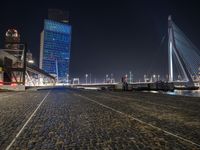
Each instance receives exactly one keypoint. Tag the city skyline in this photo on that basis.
(110, 37)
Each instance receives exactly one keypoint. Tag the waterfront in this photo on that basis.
(193, 93)
(190, 93)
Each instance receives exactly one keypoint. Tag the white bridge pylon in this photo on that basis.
(186, 54)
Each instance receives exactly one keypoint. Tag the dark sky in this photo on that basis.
(109, 36)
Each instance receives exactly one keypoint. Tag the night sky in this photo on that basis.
(107, 36)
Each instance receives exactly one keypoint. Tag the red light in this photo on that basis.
(13, 84)
(1, 84)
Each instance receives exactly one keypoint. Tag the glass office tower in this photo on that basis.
(55, 49)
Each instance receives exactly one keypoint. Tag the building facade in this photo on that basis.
(55, 49)
(12, 37)
(58, 15)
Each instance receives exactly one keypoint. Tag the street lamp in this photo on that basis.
(111, 78)
(31, 61)
(90, 78)
(86, 76)
(67, 78)
(106, 78)
(95, 80)
(145, 78)
(154, 78)
(130, 78)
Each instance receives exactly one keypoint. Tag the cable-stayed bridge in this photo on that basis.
(183, 56)
(183, 62)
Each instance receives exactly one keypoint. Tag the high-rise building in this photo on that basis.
(55, 48)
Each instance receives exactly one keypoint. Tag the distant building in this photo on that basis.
(12, 37)
(12, 44)
(29, 57)
(55, 47)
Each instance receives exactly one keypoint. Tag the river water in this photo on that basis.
(193, 93)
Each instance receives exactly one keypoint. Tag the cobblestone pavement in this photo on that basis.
(76, 119)
(15, 108)
(177, 114)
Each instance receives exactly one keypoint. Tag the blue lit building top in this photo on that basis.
(56, 48)
(55, 26)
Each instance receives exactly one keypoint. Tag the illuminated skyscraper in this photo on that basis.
(55, 48)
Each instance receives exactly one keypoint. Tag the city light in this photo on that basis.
(86, 76)
(31, 61)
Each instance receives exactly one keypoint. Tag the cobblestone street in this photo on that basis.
(78, 119)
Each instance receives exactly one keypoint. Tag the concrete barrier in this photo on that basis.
(12, 87)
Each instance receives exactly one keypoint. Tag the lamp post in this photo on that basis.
(56, 63)
(130, 78)
(67, 78)
(145, 78)
(154, 78)
(95, 80)
(199, 73)
(90, 78)
(106, 78)
(111, 78)
(86, 76)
